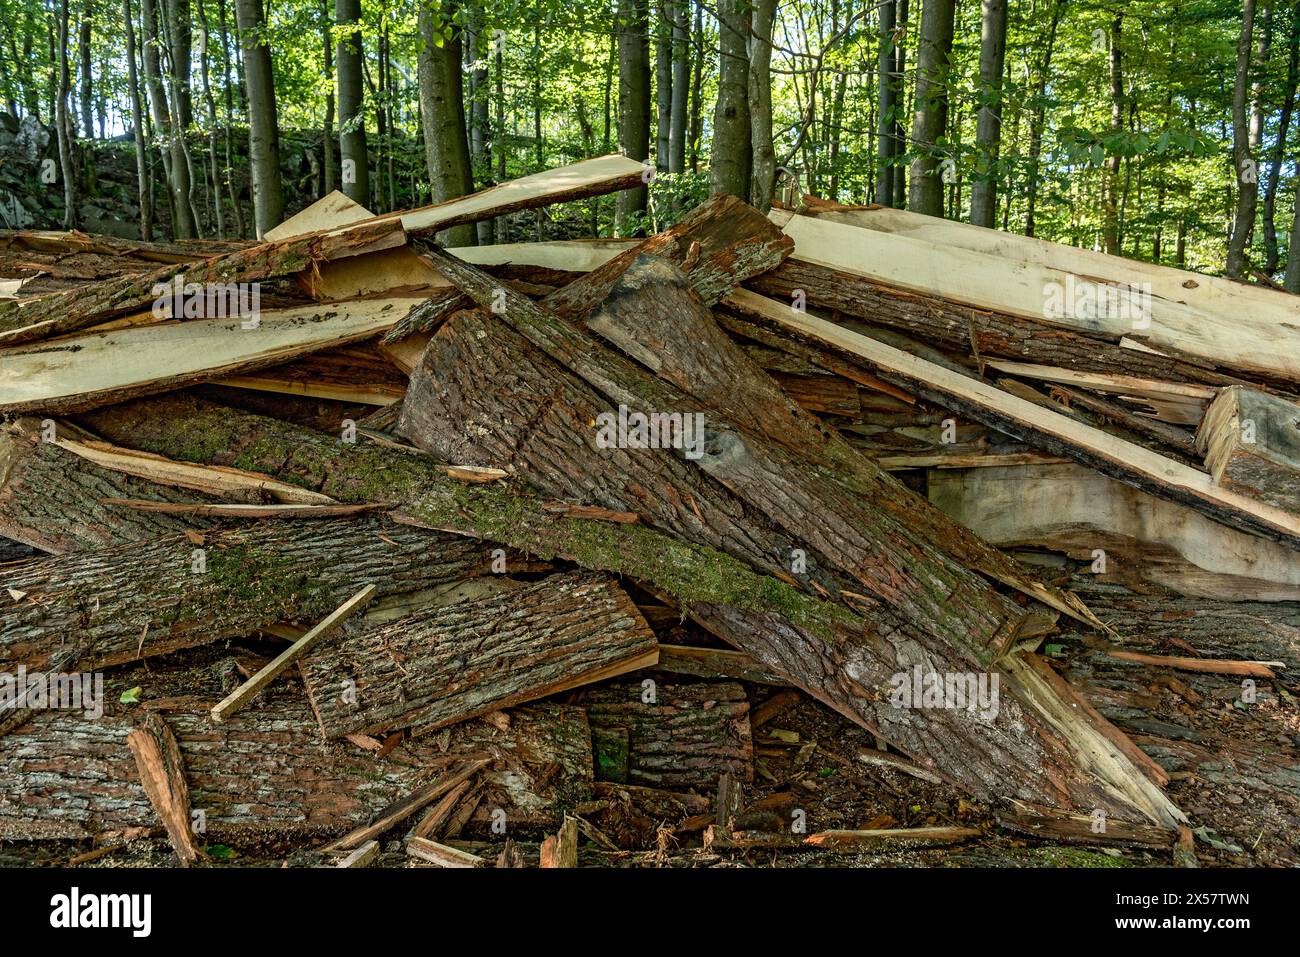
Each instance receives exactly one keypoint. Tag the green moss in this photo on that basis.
(1055, 855)
(252, 580)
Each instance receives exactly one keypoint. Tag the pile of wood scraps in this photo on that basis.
(832, 535)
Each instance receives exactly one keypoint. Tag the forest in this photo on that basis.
(1159, 130)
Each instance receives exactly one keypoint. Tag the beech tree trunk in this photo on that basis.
(352, 121)
(1245, 170)
(633, 107)
(143, 190)
(763, 159)
(681, 73)
(263, 118)
(886, 103)
(1038, 120)
(663, 82)
(988, 126)
(731, 153)
(211, 103)
(1271, 257)
(67, 169)
(930, 105)
(442, 114)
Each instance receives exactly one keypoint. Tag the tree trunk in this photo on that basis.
(442, 113)
(327, 129)
(697, 93)
(179, 46)
(681, 73)
(1039, 118)
(86, 95)
(1244, 165)
(480, 131)
(1271, 257)
(352, 120)
(1110, 174)
(67, 169)
(886, 103)
(988, 126)
(663, 82)
(901, 145)
(263, 118)
(137, 124)
(730, 155)
(230, 120)
(211, 103)
(633, 108)
(930, 105)
(763, 159)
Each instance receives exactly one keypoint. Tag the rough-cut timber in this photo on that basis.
(105, 367)
(52, 499)
(46, 316)
(652, 315)
(130, 601)
(1055, 433)
(449, 663)
(1251, 444)
(819, 645)
(967, 330)
(162, 772)
(685, 737)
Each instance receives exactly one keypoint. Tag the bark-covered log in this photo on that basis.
(53, 500)
(130, 601)
(29, 320)
(1251, 444)
(448, 663)
(267, 776)
(821, 646)
(967, 330)
(678, 736)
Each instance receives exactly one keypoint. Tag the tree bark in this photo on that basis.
(263, 118)
(886, 103)
(731, 154)
(988, 126)
(67, 169)
(901, 144)
(663, 82)
(211, 103)
(327, 129)
(352, 121)
(633, 107)
(930, 105)
(1039, 118)
(1245, 170)
(137, 124)
(447, 663)
(763, 158)
(681, 73)
(86, 95)
(1271, 257)
(442, 113)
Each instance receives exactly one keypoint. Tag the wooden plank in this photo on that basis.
(328, 212)
(1213, 666)
(1213, 296)
(249, 689)
(579, 255)
(1144, 539)
(363, 856)
(162, 772)
(1252, 341)
(440, 855)
(1251, 444)
(108, 367)
(223, 510)
(1048, 430)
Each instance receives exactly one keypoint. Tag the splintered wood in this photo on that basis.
(643, 551)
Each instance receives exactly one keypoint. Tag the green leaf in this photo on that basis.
(130, 697)
(221, 852)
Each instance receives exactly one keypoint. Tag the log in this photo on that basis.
(107, 367)
(162, 772)
(816, 644)
(561, 848)
(1144, 539)
(684, 738)
(1130, 463)
(440, 855)
(1260, 343)
(132, 601)
(1251, 444)
(448, 663)
(66, 312)
(715, 663)
(318, 633)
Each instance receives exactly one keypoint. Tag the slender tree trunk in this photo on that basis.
(327, 130)
(930, 105)
(179, 44)
(1291, 282)
(886, 103)
(1279, 148)
(663, 82)
(62, 119)
(1039, 118)
(211, 103)
(442, 114)
(988, 125)
(1243, 162)
(730, 156)
(763, 152)
(137, 123)
(480, 131)
(86, 95)
(498, 43)
(230, 119)
(263, 119)
(157, 94)
(352, 122)
(633, 106)
(1110, 175)
(901, 146)
(697, 94)
(182, 170)
(681, 52)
